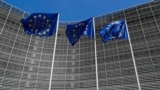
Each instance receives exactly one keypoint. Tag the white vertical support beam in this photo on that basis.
(11, 51)
(79, 63)
(133, 58)
(24, 62)
(66, 68)
(147, 41)
(54, 51)
(6, 20)
(154, 17)
(95, 47)
(39, 63)
(19, 27)
(66, 65)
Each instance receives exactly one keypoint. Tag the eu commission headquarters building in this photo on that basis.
(37, 63)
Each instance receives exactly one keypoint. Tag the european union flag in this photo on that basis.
(75, 31)
(40, 24)
(114, 30)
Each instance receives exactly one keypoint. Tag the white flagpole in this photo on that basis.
(133, 58)
(95, 46)
(55, 43)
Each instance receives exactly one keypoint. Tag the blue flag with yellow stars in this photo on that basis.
(83, 28)
(114, 30)
(40, 24)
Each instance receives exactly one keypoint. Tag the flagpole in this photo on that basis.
(133, 58)
(55, 43)
(95, 46)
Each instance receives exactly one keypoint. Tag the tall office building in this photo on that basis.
(39, 63)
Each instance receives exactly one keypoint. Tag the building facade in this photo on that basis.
(39, 63)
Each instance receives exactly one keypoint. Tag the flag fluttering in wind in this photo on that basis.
(40, 24)
(83, 28)
(114, 30)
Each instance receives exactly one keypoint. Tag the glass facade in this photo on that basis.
(29, 62)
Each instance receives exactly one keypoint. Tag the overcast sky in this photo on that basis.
(72, 10)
